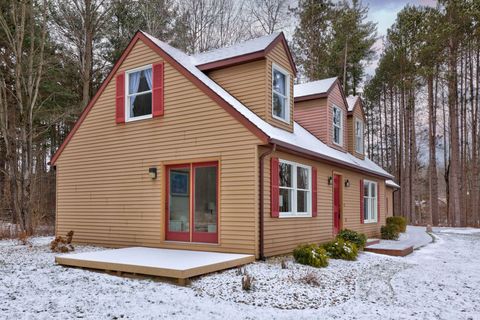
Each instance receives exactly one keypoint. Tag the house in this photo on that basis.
(218, 152)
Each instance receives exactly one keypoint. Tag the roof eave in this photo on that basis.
(324, 158)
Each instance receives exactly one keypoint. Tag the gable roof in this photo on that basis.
(300, 140)
(351, 101)
(313, 89)
(250, 50)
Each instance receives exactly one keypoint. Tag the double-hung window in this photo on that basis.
(337, 126)
(358, 136)
(370, 201)
(295, 190)
(280, 94)
(138, 102)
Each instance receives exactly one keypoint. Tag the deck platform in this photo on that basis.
(177, 264)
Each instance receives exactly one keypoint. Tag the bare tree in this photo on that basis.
(269, 15)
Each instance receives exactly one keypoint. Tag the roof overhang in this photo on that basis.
(293, 149)
(250, 57)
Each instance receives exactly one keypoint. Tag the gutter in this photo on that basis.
(261, 250)
(325, 158)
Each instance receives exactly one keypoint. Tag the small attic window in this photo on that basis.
(138, 102)
(358, 136)
(280, 94)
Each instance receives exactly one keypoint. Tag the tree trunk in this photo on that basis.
(432, 168)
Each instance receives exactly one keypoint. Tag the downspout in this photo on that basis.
(261, 186)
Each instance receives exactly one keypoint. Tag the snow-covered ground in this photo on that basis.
(439, 281)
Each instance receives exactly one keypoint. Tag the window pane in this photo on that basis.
(279, 106)
(336, 134)
(206, 199)
(140, 105)
(302, 201)
(285, 171)
(365, 189)
(285, 201)
(139, 81)
(336, 116)
(302, 178)
(279, 82)
(373, 190)
(179, 202)
(365, 208)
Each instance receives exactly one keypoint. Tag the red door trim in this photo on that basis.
(191, 235)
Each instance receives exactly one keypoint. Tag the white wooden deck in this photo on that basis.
(178, 264)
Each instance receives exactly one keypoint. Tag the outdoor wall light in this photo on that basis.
(330, 181)
(347, 183)
(152, 173)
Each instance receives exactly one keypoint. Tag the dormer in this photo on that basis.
(260, 73)
(356, 126)
(321, 108)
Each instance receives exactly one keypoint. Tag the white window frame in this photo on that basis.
(372, 202)
(359, 147)
(128, 118)
(340, 143)
(294, 213)
(276, 67)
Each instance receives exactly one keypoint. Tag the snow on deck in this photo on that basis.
(155, 261)
(414, 238)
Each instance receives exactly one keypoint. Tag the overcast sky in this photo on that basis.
(384, 13)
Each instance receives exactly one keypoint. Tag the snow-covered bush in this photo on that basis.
(311, 255)
(389, 232)
(360, 239)
(341, 249)
(247, 282)
(399, 222)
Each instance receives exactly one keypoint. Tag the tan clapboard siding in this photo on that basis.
(352, 142)
(104, 193)
(312, 115)
(278, 55)
(389, 199)
(246, 82)
(335, 98)
(282, 235)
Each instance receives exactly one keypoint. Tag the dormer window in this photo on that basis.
(280, 94)
(337, 126)
(358, 136)
(138, 102)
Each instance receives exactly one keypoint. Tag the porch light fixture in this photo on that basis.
(347, 183)
(330, 180)
(152, 173)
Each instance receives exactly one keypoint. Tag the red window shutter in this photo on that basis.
(274, 194)
(157, 90)
(120, 98)
(361, 201)
(378, 203)
(314, 192)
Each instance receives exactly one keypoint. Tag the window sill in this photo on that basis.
(293, 215)
(280, 119)
(145, 117)
(369, 222)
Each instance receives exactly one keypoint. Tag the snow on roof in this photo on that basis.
(391, 183)
(351, 100)
(246, 47)
(299, 138)
(313, 87)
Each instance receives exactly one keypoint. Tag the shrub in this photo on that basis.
(61, 244)
(399, 222)
(358, 238)
(311, 255)
(341, 249)
(389, 232)
(310, 278)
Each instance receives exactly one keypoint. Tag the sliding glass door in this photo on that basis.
(192, 202)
